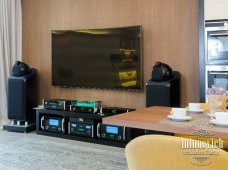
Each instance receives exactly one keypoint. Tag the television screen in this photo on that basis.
(97, 58)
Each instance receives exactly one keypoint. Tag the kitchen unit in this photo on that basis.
(216, 53)
(215, 9)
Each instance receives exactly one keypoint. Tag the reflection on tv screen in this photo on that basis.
(97, 58)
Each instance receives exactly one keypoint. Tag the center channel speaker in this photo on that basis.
(166, 93)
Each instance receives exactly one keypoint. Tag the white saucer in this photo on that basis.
(216, 123)
(196, 111)
(186, 118)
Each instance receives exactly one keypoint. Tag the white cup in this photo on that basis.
(221, 117)
(178, 112)
(194, 106)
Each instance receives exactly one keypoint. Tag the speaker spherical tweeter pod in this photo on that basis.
(161, 72)
(20, 69)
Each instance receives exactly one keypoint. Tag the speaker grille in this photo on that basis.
(16, 99)
(165, 93)
(158, 95)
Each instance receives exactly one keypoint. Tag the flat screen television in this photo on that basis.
(107, 58)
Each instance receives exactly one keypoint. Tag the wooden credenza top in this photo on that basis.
(155, 118)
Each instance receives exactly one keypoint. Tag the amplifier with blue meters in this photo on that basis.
(81, 126)
(114, 133)
(53, 124)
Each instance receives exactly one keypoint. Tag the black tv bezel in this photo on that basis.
(141, 82)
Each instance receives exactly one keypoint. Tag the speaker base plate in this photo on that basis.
(16, 128)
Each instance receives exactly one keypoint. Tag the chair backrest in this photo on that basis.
(160, 152)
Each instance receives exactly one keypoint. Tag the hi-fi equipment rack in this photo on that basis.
(83, 126)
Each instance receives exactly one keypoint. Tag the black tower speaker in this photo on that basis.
(166, 93)
(22, 97)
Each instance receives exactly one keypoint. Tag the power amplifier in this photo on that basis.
(81, 126)
(53, 124)
(110, 132)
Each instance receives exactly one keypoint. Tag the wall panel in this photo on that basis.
(169, 35)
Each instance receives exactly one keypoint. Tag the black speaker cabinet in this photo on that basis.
(22, 97)
(165, 93)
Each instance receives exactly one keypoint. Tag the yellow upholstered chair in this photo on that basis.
(160, 152)
(201, 138)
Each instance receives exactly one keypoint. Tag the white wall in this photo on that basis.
(216, 9)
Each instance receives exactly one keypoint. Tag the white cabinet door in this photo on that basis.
(216, 9)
